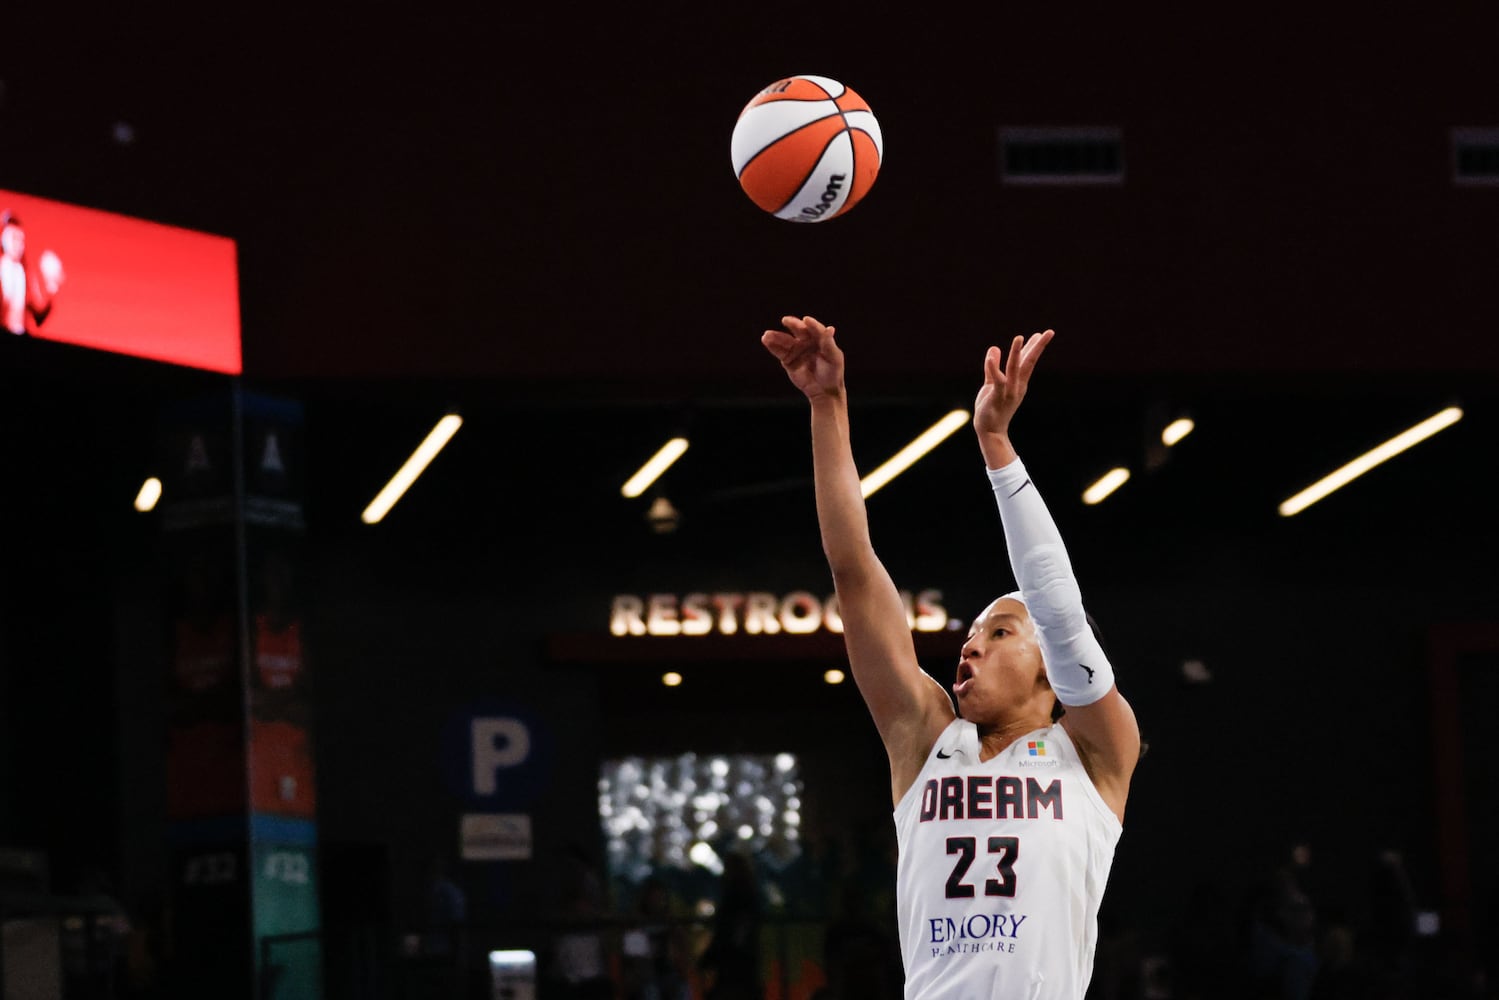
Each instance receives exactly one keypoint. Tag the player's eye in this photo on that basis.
(1001, 632)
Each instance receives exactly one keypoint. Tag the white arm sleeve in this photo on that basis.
(1075, 665)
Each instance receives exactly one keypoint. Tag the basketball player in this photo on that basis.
(1006, 821)
(24, 294)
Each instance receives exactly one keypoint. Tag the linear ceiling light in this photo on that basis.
(907, 456)
(407, 473)
(1110, 481)
(150, 493)
(1394, 446)
(1176, 430)
(652, 469)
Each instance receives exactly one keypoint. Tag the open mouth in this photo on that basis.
(964, 680)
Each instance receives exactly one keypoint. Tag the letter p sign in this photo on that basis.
(497, 743)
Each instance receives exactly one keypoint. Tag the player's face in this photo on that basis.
(1000, 664)
(13, 241)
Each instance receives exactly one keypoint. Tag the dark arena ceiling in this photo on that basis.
(529, 214)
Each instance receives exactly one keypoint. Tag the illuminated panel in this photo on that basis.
(686, 812)
(1342, 477)
(1176, 430)
(150, 492)
(1110, 481)
(122, 284)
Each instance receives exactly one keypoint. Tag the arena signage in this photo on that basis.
(115, 283)
(753, 613)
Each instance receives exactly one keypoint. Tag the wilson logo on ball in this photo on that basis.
(829, 198)
(806, 149)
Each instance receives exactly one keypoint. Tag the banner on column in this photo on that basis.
(282, 775)
(242, 793)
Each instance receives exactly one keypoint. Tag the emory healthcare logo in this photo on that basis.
(975, 933)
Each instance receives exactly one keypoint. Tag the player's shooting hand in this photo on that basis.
(813, 361)
(50, 267)
(1005, 384)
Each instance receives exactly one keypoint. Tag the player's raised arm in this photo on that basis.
(909, 707)
(1098, 718)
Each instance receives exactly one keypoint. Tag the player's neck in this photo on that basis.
(995, 738)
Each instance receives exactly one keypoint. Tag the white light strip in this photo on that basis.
(1111, 481)
(1394, 446)
(406, 475)
(525, 960)
(908, 456)
(652, 469)
(150, 493)
(1176, 430)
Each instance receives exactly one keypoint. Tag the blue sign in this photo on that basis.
(497, 756)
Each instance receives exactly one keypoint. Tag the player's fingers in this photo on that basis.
(1012, 362)
(993, 373)
(1033, 349)
(814, 325)
(778, 342)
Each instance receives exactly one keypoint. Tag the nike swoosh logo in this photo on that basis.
(944, 756)
(1017, 492)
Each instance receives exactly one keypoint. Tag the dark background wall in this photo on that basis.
(1314, 628)
(1288, 261)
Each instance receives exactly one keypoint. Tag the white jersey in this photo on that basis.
(13, 295)
(1002, 867)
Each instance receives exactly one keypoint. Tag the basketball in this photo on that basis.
(806, 149)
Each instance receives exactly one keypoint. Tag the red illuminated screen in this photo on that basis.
(115, 283)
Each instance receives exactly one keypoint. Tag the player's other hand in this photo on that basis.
(50, 268)
(806, 349)
(1005, 384)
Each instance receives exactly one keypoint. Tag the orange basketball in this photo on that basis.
(806, 149)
